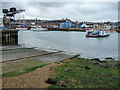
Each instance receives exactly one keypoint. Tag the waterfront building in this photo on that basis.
(114, 25)
(84, 25)
(50, 23)
(76, 24)
(118, 25)
(67, 23)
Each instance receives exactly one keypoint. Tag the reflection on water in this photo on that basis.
(71, 42)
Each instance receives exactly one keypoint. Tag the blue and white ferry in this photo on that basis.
(97, 33)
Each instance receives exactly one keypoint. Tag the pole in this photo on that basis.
(14, 22)
(23, 16)
(19, 16)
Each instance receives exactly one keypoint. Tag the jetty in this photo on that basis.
(9, 37)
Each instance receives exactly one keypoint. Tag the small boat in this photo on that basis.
(21, 28)
(2, 27)
(97, 33)
(37, 28)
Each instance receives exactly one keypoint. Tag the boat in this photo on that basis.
(21, 27)
(97, 33)
(37, 28)
(2, 27)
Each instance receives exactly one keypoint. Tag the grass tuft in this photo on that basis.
(11, 74)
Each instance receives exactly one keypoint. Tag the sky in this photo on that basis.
(76, 11)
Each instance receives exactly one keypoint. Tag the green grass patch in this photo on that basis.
(34, 68)
(11, 74)
(73, 74)
(20, 67)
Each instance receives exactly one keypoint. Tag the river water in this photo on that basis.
(71, 43)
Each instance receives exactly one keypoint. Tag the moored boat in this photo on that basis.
(22, 26)
(19, 28)
(37, 28)
(97, 33)
(2, 27)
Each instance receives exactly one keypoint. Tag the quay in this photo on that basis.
(12, 53)
(75, 29)
(66, 29)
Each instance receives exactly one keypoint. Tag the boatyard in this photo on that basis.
(52, 51)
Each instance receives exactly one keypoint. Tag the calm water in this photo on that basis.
(71, 43)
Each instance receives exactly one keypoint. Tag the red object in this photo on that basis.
(44, 27)
(102, 32)
(89, 29)
(105, 30)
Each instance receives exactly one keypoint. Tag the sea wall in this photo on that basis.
(9, 37)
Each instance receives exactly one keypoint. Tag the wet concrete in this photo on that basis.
(16, 59)
(53, 57)
(12, 53)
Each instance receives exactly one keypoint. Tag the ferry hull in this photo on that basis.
(97, 35)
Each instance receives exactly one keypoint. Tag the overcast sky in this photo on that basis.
(78, 11)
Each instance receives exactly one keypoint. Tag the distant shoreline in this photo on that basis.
(73, 29)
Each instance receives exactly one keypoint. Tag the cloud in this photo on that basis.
(80, 11)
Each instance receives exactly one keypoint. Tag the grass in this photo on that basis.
(73, 74)
(11, 74)
(20, 67)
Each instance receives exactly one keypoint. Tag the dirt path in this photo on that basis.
(35, 79)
